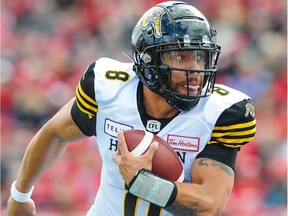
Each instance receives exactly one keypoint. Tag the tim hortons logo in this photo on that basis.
(183, 143)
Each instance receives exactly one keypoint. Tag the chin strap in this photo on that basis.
(180, 104)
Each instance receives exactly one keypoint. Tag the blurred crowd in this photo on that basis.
(46, 45)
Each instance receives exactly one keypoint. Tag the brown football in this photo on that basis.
(165, 162)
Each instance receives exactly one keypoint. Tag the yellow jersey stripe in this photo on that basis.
(212, 142)
(86, 105)
(136, 207)
(227, 145)
(236, 126)
(236, 141)
(237, 133)
(233, 146)
(86, 96)
(90, 115)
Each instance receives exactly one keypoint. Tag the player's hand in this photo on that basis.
(127, 164)
(15, 208)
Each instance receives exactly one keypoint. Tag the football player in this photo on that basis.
(169, 90)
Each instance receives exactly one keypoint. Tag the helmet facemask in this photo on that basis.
(190, 70)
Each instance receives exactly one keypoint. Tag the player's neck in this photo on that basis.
(156, 106)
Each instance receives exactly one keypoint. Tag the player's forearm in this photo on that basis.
(43, 151)
(193, 199)
(47, 147)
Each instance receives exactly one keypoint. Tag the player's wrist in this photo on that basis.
(19, 196)
(153, 188)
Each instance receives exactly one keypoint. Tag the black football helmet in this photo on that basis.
(174, 26)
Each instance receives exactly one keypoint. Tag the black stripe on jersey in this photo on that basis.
(154, 210)
(130, 204)
(236, 126)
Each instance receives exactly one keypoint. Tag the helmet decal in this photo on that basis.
(154, 17)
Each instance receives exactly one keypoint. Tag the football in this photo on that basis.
(165, 162)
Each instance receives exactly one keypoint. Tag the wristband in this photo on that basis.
(18, 196)
(153, 188)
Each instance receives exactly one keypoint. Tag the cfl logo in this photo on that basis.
(153, 126)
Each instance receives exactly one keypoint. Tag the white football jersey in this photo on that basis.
(114, 104)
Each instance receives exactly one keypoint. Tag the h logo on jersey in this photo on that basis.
(153, 126)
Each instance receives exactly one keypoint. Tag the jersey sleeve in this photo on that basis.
(221, 154)
(236, 126)
(85, 108)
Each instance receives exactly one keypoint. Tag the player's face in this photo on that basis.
(186, 81)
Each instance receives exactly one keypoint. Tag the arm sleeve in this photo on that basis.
(235, 127)
(85, 108)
